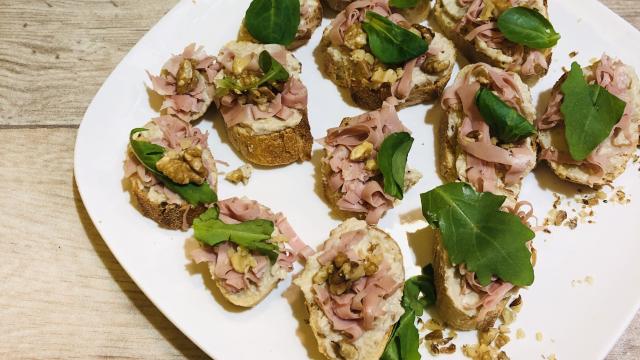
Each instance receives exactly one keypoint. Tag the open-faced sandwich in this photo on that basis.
(482, 254)
(514, 35)
(590, 128)
(170, 171)
(364, 164)
(487, 137)
(186, 83)
(248, 248)
(263, 103)
(296, 22)
(415, 11)
(353, 288)
(376, 54)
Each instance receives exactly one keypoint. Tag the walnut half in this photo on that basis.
(183, 167)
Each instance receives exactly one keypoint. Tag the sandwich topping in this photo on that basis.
(186, 159)
(186, 83)
(245, 254)
(259, 87)
(487, 164)
(350, 40)
(352, 153)
(478, 21)
(613, 76)
(353, 282)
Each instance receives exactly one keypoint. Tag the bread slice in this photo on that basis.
(553, 139)
(265, 139)
(169, 211)
(310, 19)
(352, 66)
(278, 148)
(252, 293)
(448, 13)
(451, 300)
(335, 344)
(452, 157)
(417, 14)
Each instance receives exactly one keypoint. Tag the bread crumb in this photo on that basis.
(432, 325)
(573, 54)
(520, 334)
(539, 336)
(241, 174)
(588, 280)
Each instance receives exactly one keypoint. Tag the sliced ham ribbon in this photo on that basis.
(355, 311)
(483, 157)
(360, 192)
(237, 210)
(471, 27)
(355, 13)
(176, 134)
(187, 105)
(611, 75)
(294, 95)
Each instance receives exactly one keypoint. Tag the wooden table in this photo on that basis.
(63, 294)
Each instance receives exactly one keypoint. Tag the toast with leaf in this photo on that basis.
(487, 137)
(353, 288)
(514, 36)
(591, 142)
(170, 172)
(482, 254)
(364, 168)
(377, 54)
(247, 248)
(263, 103)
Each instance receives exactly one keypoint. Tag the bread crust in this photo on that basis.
(170, 216)
(278, 148)
(452, 314)
(470, 50)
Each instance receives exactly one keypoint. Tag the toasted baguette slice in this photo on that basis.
(452, 303)
(452, 157)
(272, 127)
(152, 198)
(350, 64)
(277, 148)
(250, 293)
(352, 178)
(310, 19)
(371, 344)
(612, 158)
(449, 13)
(189, 103)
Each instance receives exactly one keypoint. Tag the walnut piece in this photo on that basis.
(434, 66)
(183, 167)
(241, 174)
(355, 37)
(241, 259)
(361, 152)
(186, 79)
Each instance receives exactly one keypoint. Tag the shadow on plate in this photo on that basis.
(547, 180)
(160, 323)
(422, 242)
(295, 298)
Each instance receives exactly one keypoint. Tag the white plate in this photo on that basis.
(581, 322)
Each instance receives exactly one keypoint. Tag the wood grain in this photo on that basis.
(63, 295)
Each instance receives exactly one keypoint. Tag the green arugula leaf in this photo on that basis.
(404, 4)
(527, 27)
(505, 122)
(149, 154)
(476, 233)
(590, 113)
(392, 161)
(273, 21)
(390, 43)
(252, 235)
(272, 69)
(405, 339)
